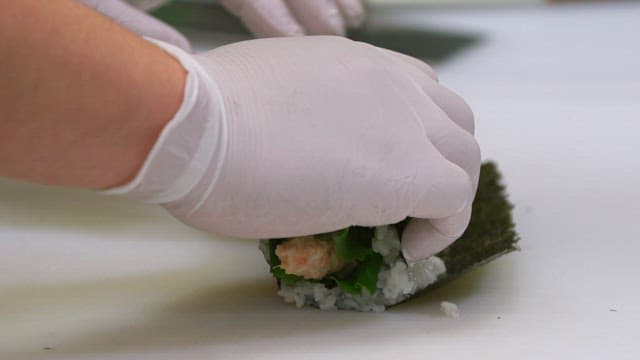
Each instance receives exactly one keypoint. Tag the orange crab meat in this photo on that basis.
(308, 257)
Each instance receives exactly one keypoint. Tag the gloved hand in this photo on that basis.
(272, 18)
(138, 21)
(294, 136)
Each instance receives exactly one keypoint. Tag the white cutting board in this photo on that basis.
(556, 92)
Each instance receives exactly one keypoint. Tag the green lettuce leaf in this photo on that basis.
(364, 276)
(354, 243)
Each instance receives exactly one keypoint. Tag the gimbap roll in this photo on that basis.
(362, 268)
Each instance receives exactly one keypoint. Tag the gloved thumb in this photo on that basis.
(425, 237)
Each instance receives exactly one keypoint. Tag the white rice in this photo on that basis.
(397, 280)
(450, 309)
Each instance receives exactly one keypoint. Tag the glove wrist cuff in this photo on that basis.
(193, 141)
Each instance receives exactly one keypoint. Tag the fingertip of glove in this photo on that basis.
(353, 12)
(334, 25)
(354, 21)
(421, 239)
(319, 17)
(270, 20)
(292, 30)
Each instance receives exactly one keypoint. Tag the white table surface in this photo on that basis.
(556, 92)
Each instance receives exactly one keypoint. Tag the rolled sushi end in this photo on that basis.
(373, 275)
(363, 269)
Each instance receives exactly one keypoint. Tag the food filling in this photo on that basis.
(357, 268)
(309, 257)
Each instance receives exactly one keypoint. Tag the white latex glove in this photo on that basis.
(272, 18)
(138, 21)
(295, 136)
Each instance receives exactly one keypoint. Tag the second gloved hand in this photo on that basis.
(296, 136)
(271, 18)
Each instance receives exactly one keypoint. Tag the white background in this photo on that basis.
(556, 92)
